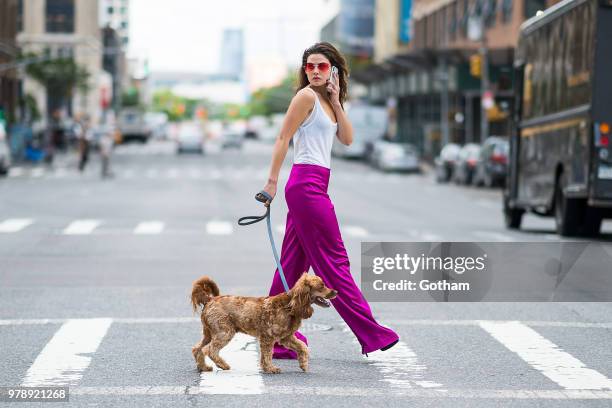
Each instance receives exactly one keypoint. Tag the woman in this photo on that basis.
(312, 236)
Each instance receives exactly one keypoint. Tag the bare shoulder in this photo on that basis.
(304, 97)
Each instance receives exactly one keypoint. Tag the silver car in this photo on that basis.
(389, 156)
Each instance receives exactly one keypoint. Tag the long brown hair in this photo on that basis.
(335, 58)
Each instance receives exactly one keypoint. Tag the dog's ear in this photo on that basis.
(299, 305)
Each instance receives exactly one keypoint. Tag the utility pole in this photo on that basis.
(484, 81)
(484, 84)
(444, 78)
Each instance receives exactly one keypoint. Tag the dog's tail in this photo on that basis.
(203, 290)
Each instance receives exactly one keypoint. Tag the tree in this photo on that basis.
(60, 77)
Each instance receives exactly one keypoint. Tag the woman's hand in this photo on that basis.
(270, 188)
(333, 90)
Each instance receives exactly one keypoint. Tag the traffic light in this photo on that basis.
(476, 65)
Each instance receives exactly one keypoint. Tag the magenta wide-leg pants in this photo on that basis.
(312, 238)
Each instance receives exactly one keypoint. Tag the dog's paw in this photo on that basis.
(223, 366)
(204, 368)
(304, 367)
(272, 370)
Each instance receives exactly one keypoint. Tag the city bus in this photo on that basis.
(560, 162)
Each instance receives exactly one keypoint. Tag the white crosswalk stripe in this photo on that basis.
(62, 362)
(546, 357)
(244, 376)
(149, 228)
(81, 227)
(219, 227)
(14, 224)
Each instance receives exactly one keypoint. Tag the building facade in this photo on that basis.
(9, 81)
(64, 28)
(423, 64)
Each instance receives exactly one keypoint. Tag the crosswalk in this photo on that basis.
(188, 173)
(84, 227)
(77, 344)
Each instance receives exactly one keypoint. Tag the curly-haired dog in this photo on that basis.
(270, 319)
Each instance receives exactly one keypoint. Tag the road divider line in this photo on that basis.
(244, 376)
(149, 228)
(494, 394)
(546, 357)
(355, 231)
(306, 325)
(81, 227)
(14, 224)
(63, 360)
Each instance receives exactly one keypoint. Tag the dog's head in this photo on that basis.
(307, 290)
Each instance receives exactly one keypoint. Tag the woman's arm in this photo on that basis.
(297, 112)
(345, 129)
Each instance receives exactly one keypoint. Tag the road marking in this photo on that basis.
(355, 231)
(62, 362)
(14, 224)
(15, 171)
(81, 227)
(149, 228)
(172, 173)
(515, 394)
(399, 366)
(37, 172)
(244, 376)
(151, 173)
(195, 173)
(219, 228)
(496, 236)
(546, 357)
(309, 326)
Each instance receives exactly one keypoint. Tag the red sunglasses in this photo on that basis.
(323, 66)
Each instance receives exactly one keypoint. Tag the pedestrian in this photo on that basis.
(106, 148)
(83, 133)
(312, 236)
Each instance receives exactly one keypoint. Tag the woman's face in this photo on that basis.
(318, 69)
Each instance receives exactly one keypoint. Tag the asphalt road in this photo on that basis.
(95, 276)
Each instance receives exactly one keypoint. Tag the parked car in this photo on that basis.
(445, 162)
(369, 123)
(5, 152)
(392, 156)
(466, 163)
(190, 138)
(492, 165)
(133, 125)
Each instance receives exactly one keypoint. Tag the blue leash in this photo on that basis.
(264, 197)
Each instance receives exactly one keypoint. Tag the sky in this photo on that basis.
(185, 35)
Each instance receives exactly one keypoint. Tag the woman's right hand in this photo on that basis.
(270, 188)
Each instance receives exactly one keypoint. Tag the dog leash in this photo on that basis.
(264, 197)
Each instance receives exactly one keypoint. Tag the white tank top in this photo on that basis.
(312, 142)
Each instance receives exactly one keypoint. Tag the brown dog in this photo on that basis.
(270, 319)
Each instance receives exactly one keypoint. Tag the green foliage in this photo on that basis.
(61, 75)
(276, 99)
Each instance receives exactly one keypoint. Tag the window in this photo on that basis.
(19, 15)
(110, 10)
(60, 16)
(490, 11)
(506, 10)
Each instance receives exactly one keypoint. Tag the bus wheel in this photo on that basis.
(512, 216)
(592, 222)
(567, 211)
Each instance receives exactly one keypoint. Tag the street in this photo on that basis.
(95, 277)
